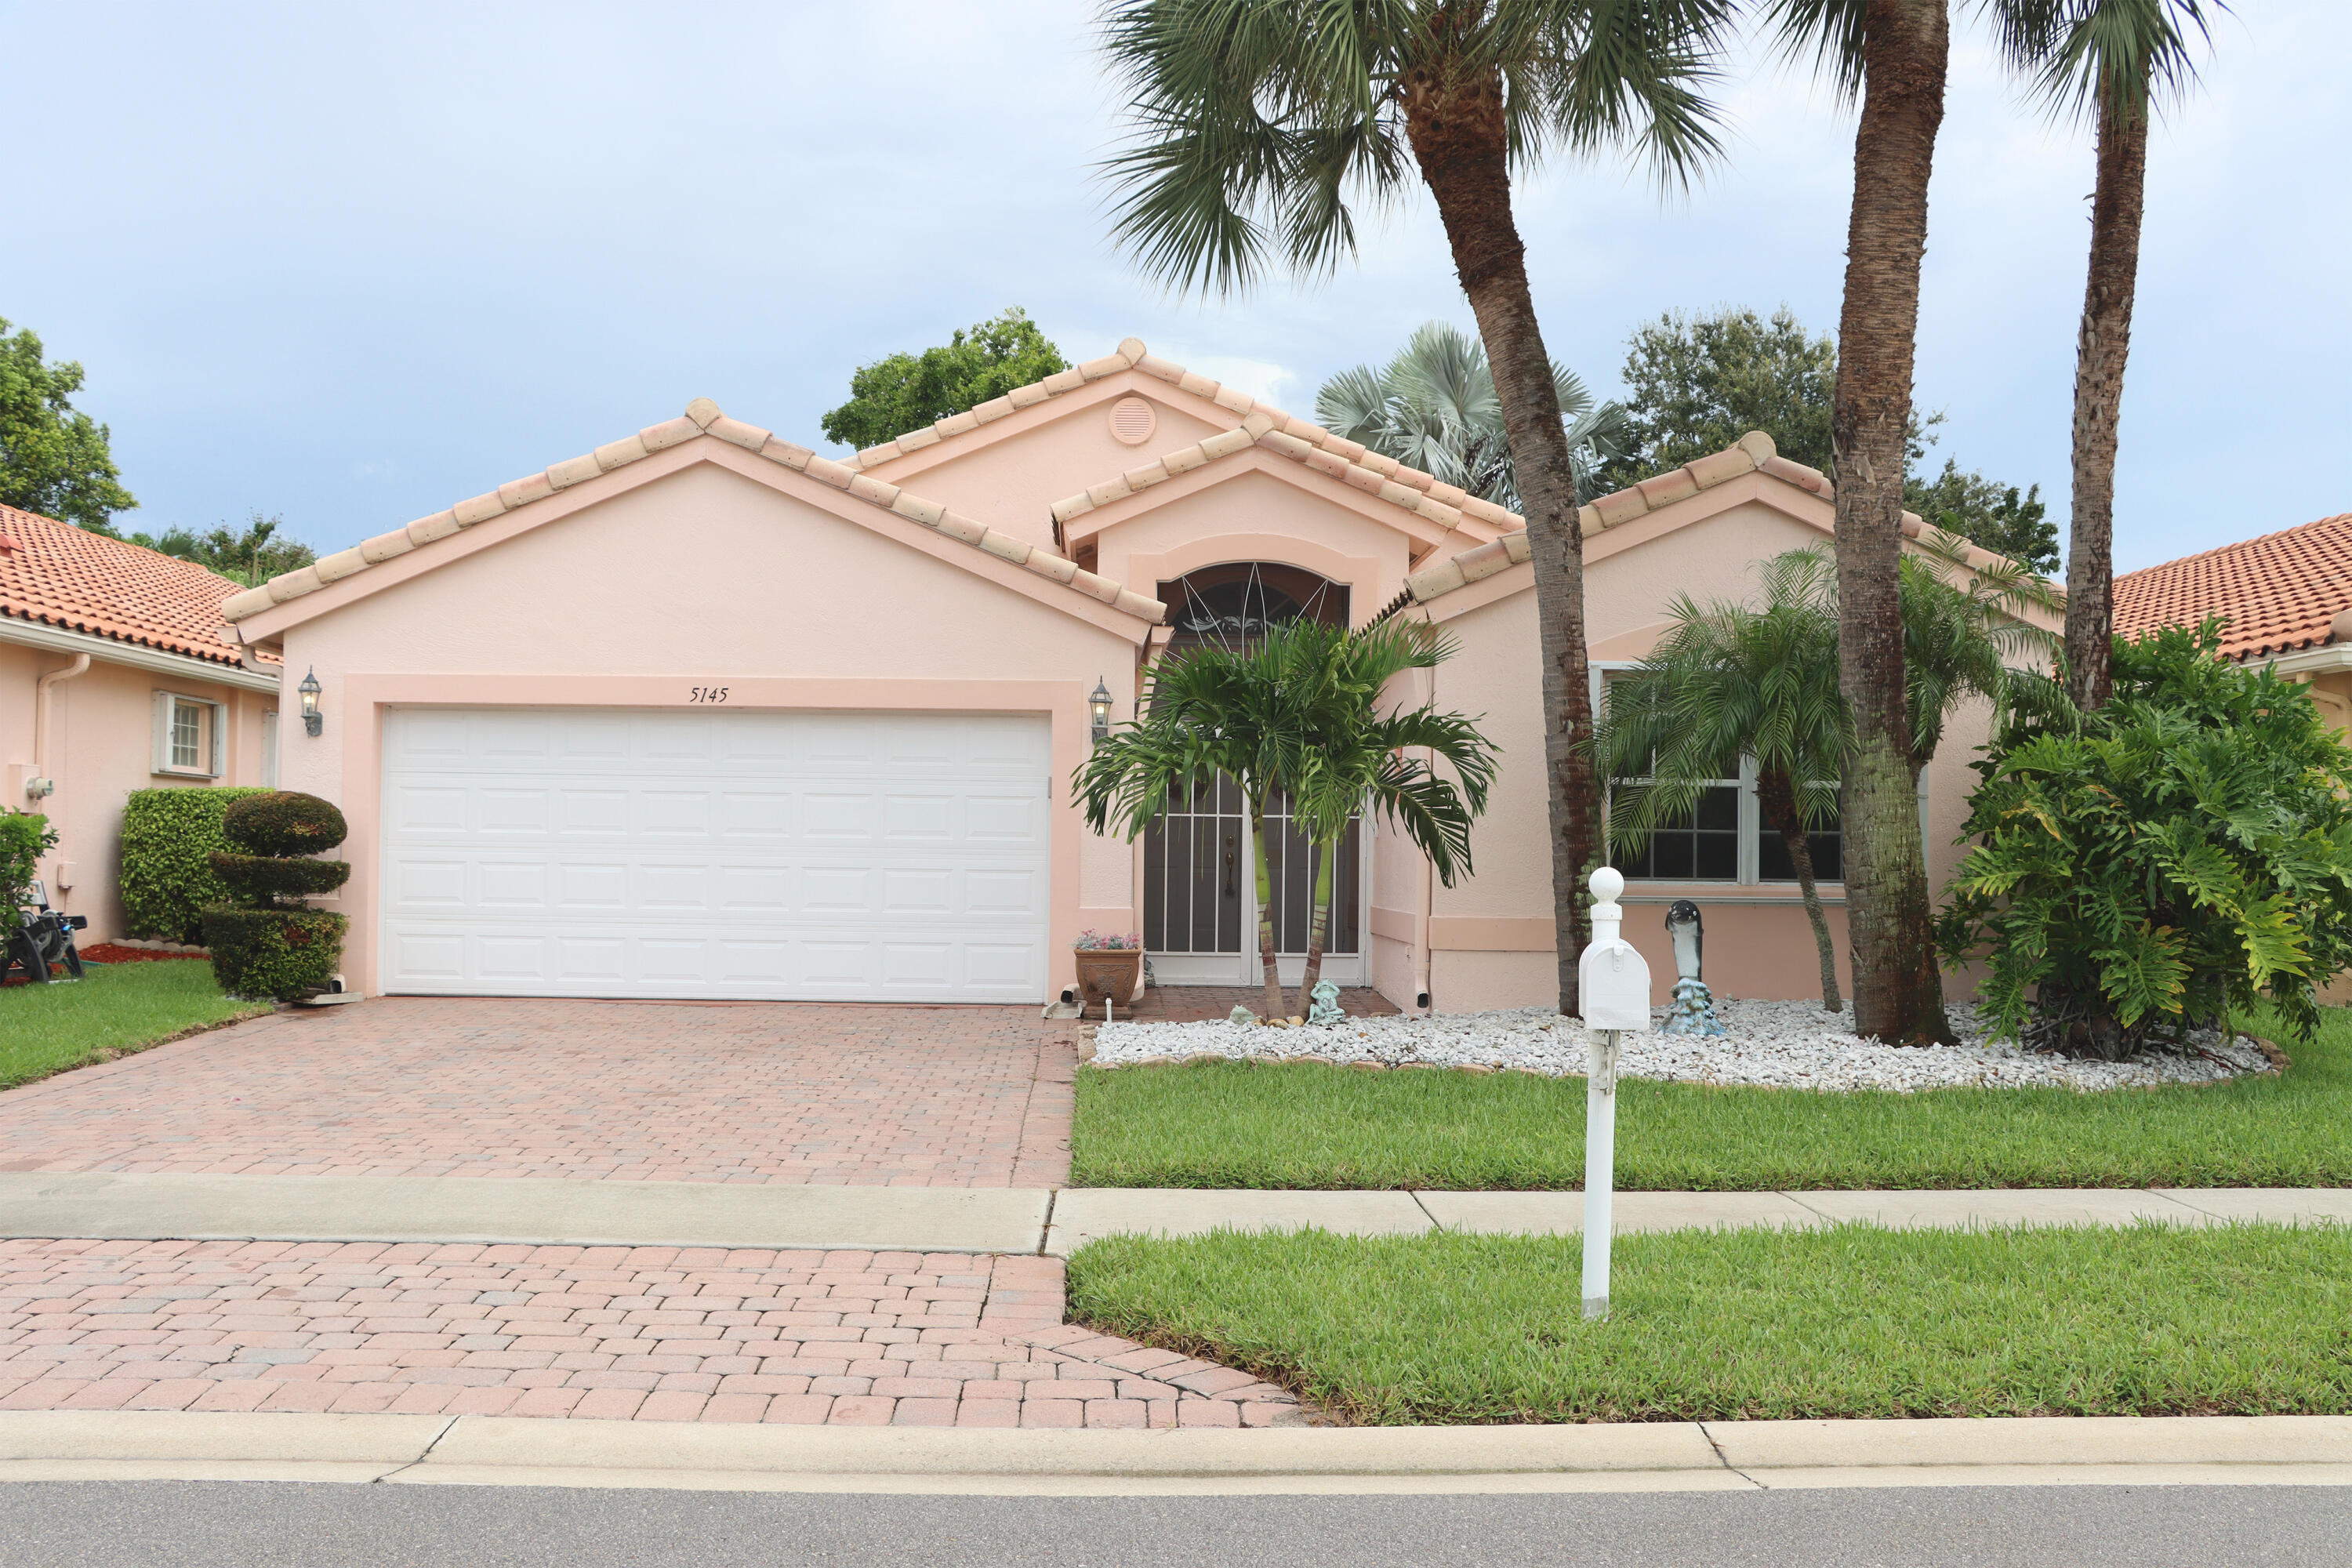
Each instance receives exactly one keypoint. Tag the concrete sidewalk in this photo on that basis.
(111, 1207)
(1714, 1455)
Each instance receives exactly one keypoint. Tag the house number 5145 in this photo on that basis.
(707, 694)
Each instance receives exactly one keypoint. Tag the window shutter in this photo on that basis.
(162, 739)
(220, 737)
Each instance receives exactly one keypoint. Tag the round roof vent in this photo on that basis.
(1132, 421)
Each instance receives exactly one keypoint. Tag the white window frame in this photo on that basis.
(1752, 818)
(212, 733)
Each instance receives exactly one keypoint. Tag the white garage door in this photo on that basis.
(697, 853)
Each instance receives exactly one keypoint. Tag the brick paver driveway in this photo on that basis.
(967, 1097)
(645, 1333)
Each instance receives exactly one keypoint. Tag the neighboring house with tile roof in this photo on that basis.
(117, 672)
(2285, 599)
(704, 713)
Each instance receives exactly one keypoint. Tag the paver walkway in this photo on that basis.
(645, 1333)
(771, 1092)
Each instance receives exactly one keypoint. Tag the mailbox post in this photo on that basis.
(1612, 986)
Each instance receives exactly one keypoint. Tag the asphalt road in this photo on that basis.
(263, 1525)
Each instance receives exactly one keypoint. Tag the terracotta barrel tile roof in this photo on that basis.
(2278, 593)
(66, 576)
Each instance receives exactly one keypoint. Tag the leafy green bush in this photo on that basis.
(265, 881)
(2189, 849)
(274, 953)
(280, 823)
(167, 880)
(25, 838)
(264, 942)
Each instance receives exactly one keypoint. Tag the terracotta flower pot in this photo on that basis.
(1108, 974)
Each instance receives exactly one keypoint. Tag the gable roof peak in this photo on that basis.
(702, 418)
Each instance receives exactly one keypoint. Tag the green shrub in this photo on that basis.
(2188, 849)
(274, 954)
(25, 838)
(263, 881)
(280, 823)
(167, 880)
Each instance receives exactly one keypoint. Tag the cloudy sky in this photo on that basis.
(353, 263)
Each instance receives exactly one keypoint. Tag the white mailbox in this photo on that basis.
(1613, 982)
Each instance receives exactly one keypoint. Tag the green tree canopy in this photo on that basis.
(53, 460)
(1699, 382)
(1987, 513)
(250, 555)
(906, 392)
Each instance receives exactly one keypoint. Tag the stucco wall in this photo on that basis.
(703, 575)
(1055, 450)
(1490, 938)
(1255, 516)
(100, 749)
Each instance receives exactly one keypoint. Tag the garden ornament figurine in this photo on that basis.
(1326, 1009)
(1693, 1012)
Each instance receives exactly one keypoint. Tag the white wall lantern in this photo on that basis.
(1099, 702)
(312, 721)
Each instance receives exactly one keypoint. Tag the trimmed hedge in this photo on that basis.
(167, 876)
(282, 823)
(265, 881)
(274, 954)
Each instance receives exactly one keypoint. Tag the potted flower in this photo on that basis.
(1109, 967)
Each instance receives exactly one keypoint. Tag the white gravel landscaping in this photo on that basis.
(1785, 1044)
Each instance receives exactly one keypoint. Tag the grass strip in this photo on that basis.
(1853, 1320)
(1260, 1124)
(115, 1010)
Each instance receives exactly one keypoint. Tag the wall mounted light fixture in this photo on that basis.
(1099, 702)
(312, 721)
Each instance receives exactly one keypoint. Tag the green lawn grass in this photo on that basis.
(1722, 1325)
(119, 1007)
(1247, 1124)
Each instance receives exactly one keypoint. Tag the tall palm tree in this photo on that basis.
(1294, 713)
(1892, 54)
(1256, 123)
(1434, 406)
(1731, 680)
(2106, 60)
(1354, 761)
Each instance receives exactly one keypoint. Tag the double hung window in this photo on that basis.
(188, 736)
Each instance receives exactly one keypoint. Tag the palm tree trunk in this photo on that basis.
(2116, 206)
(1319, 927)
(1455, 124)
(1777, 799)
(1897, 989)
(1266, 954)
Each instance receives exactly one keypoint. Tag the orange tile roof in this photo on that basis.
(66, 577)
(2278, 593)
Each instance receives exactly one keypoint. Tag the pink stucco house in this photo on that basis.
(703, 713)
(116, 674)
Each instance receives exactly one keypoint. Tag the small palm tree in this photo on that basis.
(1294, 713)
(1728, 680)
(1354, 761)
(2106, 60)
(1434, 406)
(1256, 123)
(1731, 680)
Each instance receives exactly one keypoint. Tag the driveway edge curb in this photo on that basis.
(1637, 1457)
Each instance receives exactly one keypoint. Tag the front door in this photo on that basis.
(1200, 888)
